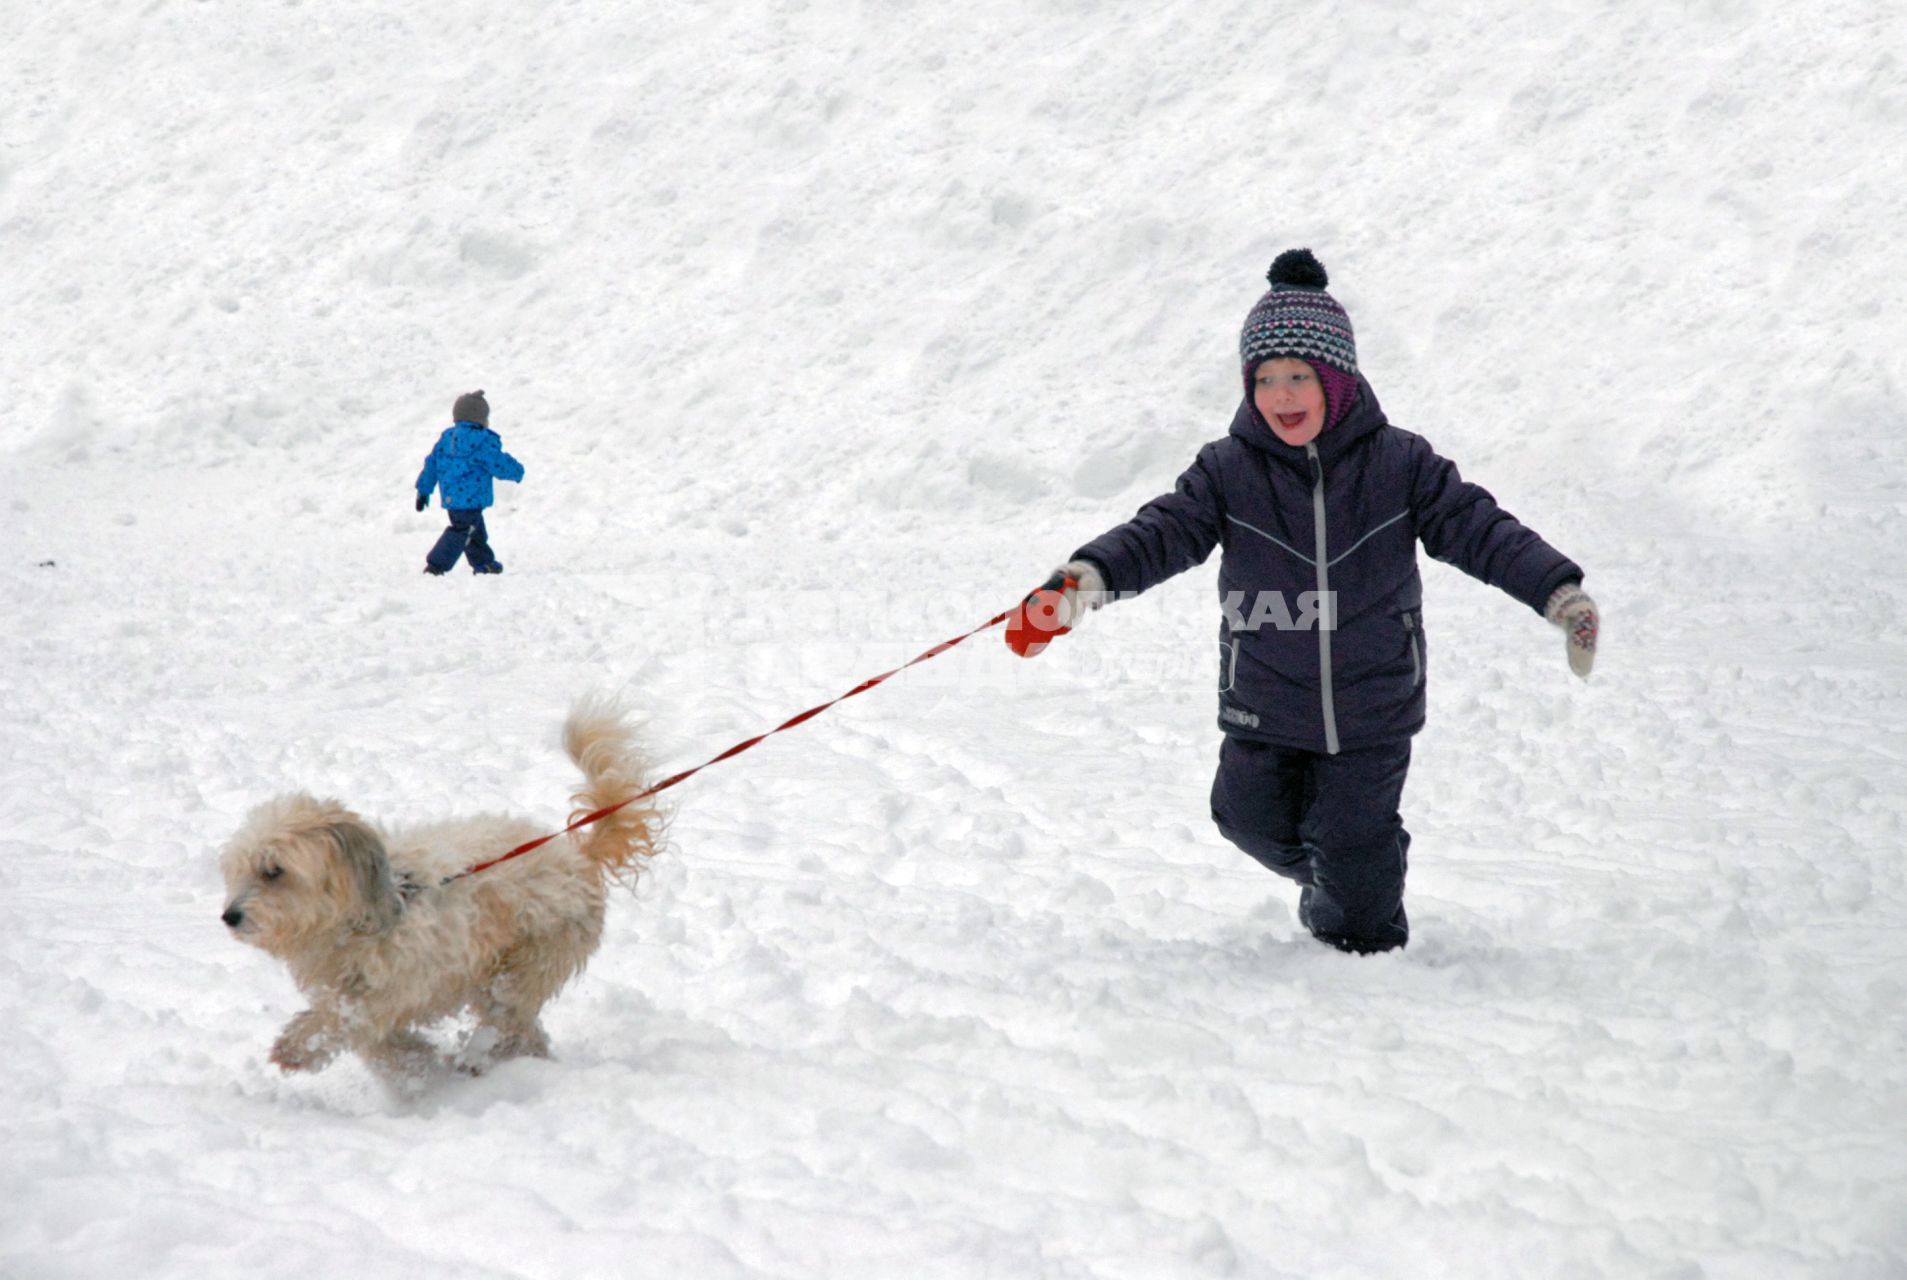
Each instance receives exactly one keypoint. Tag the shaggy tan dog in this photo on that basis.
(381, 946)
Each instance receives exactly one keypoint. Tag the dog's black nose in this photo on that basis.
(233, 917)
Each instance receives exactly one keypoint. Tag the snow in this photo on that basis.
(824, 330)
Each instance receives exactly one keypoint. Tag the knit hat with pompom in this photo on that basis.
(471, 407)
(1297, 319)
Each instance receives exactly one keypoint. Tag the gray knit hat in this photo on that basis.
(471, 407)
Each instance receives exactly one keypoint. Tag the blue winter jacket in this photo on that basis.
(1325, 533)
(467, 456)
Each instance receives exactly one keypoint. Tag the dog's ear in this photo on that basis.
(369, 870)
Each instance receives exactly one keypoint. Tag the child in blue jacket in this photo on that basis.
(467, 457)
(1319, 504)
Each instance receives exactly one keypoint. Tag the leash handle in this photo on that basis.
(1036, 623)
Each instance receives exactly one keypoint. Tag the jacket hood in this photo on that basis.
(1365, 416)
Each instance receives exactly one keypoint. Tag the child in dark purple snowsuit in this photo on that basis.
(1319, 504)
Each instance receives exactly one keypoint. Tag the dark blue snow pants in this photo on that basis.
(465, 537)
(1331, 824)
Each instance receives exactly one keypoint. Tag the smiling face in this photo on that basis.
(1290, 398)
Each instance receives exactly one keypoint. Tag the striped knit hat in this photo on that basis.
(1297, 318)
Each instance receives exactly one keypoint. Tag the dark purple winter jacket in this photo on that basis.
(1328, 531)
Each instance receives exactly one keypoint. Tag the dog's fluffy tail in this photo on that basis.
(598, 738)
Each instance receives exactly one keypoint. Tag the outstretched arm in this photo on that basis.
(1167, 536)
(1461, 524)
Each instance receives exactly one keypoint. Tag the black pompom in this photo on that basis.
(1299, 268)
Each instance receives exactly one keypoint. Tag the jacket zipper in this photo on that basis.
(1416, 650)
(1326, 612)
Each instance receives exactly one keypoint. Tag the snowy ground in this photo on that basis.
(825, 330)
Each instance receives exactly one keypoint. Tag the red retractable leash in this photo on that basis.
(1038, 620)
(1031, 625)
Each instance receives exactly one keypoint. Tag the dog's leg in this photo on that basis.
(309, 1041)
(529, 976)
(514, 1030)
(404, 1059)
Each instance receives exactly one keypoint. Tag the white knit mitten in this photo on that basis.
(1082, 599)
(1571, 609)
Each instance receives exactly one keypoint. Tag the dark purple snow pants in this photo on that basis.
(465, 537)
(1331, 824)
